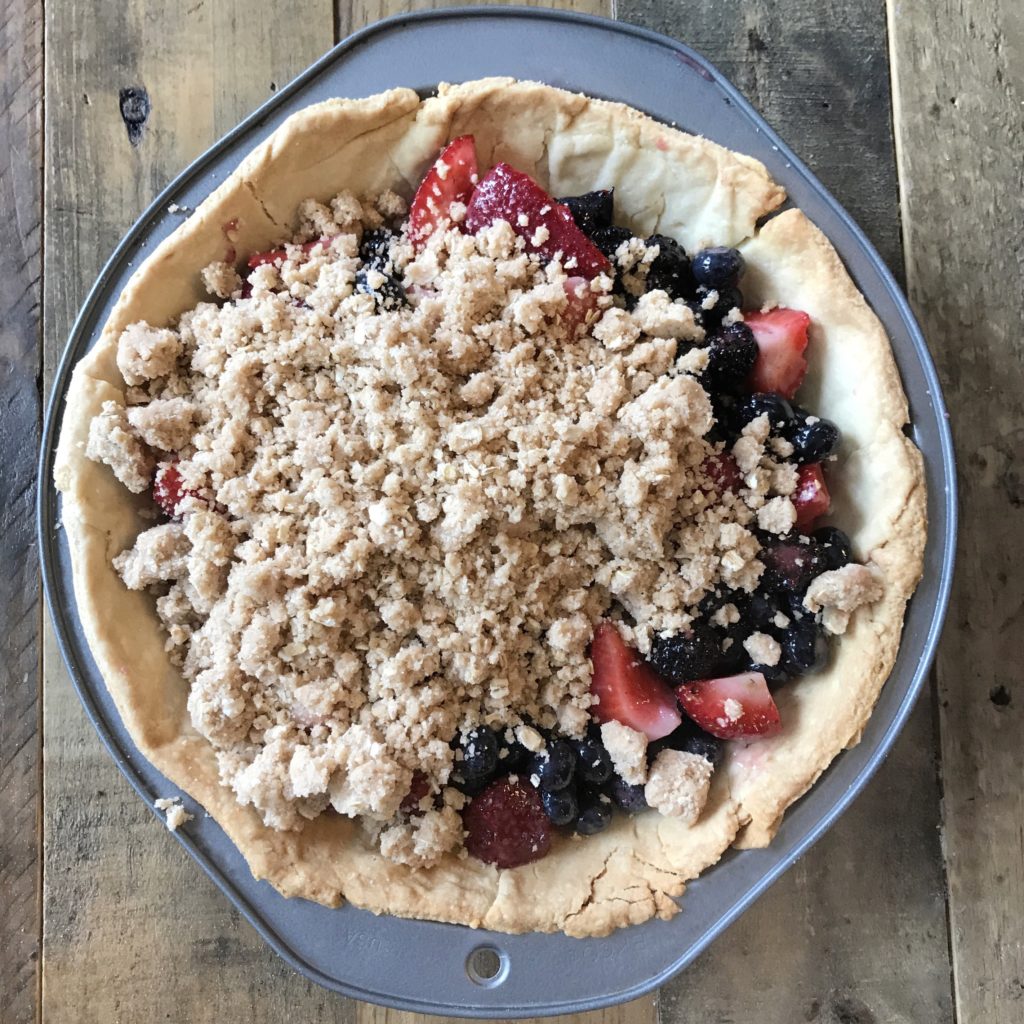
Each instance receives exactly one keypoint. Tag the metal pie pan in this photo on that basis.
(430, 967)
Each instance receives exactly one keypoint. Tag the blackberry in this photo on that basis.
(684, 657)
(732, 655)
(610, 238)
(834, 547)
(592, 210)
(728, 298)
(731, 356)
(763, 608)
(554, 766)
(386, 290)
(669, 271)
(718, 266)
(560, 806)
(814, 442)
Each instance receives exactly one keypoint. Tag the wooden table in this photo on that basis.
(910, 910)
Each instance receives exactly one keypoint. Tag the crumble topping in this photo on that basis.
(763, 649)
(678, 784)
(400, 521)
(628, 750)
(839, 593)
(174, 814)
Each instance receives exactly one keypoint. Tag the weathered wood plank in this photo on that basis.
(21, 41)
(639, 1011)
(958, 71)
(857, 930)
(132, 931)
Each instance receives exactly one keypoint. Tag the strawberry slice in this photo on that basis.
(547, 227)
(258, 259)
(731, 706)
(811, 498)
(723, 472)
(781, 336)
(450, 180)
(167, 490)
(630, 691)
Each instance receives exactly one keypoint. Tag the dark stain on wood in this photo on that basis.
(1000, 696)
(135, 109)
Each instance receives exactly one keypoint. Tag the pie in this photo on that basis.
(426, 529)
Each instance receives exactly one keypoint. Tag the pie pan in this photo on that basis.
(436, 968)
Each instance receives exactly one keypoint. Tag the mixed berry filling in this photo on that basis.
(643, 716)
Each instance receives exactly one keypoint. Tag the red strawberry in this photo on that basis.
(167, 490)
(811, 497)
(723, 472)
(506, 824)
(630, 691)
(450, 180)
(781, 336)
(731, 706)
(257, 259)
(581, 302)
(507, 194)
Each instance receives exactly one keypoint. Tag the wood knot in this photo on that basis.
(135, 108)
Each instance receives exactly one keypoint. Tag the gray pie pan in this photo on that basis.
(424, 966)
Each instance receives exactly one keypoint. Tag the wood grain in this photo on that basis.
(132, 930)
(958, 70)
(21, 42)
(818, 74)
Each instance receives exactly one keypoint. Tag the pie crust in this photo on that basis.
(665, 181)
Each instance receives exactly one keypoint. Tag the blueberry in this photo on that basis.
(774, 675)
(512, 755)
(610, 238)
(560, 806)
(790, 565)
(592, 761)
(628, 796)
(375, 248)
(731, 356)
(554, 765)
(713, 600)
(834, 546)
(691, 739)
(717, 267)
(387, 293)
(686, 656)
(727, 425)
(669, 271)
(479, 755)
(813, 442)
(592, 210)
(778, 410)
(804, 648)
(595, 813)
(763, 608)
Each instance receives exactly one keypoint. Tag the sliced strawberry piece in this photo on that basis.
(580, 304)
(507, 194)
(167, 490)
(731, 706)
(506, 825)
(258, 259)
(630, 691)
(811, 497)
(723, 473)
(450, 180)
(781, 336)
